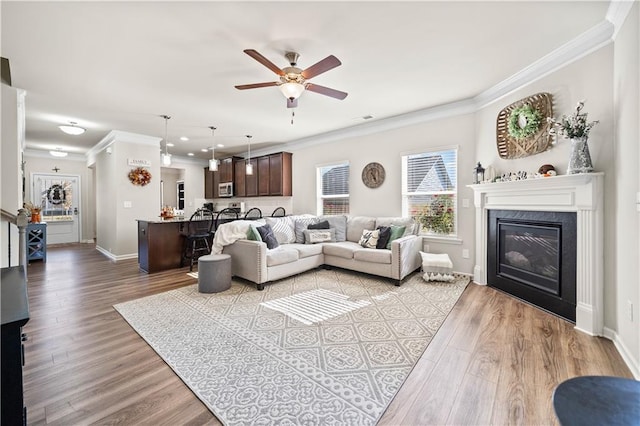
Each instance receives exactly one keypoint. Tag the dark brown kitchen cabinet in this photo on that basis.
(263, 175)
(208, 183)
(239, 180)
(226, 169)
(280, 174)
(251, 181)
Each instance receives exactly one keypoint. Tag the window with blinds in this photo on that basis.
(333, 189)
(429, 192)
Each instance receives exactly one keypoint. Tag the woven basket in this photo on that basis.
(510, 147)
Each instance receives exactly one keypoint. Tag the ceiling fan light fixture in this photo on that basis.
(292, 90)
(72, 128)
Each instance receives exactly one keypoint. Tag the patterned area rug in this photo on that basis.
(253, 364)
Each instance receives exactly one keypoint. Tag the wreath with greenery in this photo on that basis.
(139, 176)
(532, 117)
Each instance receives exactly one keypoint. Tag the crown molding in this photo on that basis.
(617, 13)
(586, 43)
(119, 136)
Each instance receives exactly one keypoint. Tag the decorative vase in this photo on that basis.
(580, 159)
(35, 217)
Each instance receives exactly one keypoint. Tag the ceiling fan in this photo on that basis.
(293, 80)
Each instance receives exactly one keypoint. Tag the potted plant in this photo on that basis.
(576, 128)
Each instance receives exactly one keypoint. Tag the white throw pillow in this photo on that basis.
(283, 229)
(369, 238)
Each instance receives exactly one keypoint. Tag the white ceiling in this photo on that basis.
(120, 65)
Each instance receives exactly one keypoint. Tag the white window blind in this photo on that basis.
(333, 189)
(430, 190)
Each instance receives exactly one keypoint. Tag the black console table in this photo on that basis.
(15, 314)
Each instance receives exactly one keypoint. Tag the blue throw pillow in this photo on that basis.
(266, 233)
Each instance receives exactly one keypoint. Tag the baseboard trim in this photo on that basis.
(623, 351)
(116, 258)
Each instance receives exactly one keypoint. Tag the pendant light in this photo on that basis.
(213, 163)
(249, 168)
(166, 157)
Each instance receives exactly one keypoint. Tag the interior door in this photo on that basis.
(59, 196)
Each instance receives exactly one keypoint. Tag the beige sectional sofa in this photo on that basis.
(253, 261)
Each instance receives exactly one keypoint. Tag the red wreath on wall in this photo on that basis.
(140, 176)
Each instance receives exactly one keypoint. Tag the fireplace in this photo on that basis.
(532, 255)
(577, 194)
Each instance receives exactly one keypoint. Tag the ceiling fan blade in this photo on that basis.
(256, 85)
(324, 65)
(264, 61)
(292, 103)
(326, 91)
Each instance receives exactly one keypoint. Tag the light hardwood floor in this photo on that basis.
(495, 360)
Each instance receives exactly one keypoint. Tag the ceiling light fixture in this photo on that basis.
(72, 128)
(213, 163)
(58, 153)
(292, 90)
(249, 167)
(166, 157)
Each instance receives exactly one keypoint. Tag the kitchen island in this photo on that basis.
(160, 244)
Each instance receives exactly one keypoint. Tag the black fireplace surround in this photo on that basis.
(532, 255)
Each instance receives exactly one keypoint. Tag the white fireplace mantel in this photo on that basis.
(580, 193)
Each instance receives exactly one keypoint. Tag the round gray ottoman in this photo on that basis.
(214, 273)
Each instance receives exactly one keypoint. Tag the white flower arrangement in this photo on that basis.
(573, 126)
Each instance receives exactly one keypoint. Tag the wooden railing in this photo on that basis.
(20, 220)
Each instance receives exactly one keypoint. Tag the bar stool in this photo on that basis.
(197, 237)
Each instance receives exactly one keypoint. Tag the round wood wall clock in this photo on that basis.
(373, 175)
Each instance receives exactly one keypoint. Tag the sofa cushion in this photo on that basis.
(357, 224)
(339, 223)
(396, 232)
(300, 224)
(253, 234)
(374, 256)
(282, 255)
(306, 250)
(266, 233)
(383, 239)
(313, 236)
(342, 249)
(369, 238)
(411, 227)
(283, 228)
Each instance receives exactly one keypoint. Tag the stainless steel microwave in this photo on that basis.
(225, 189)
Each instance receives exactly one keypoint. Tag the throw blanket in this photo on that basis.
(229, 233)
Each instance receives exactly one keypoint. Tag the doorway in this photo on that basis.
(59, 197)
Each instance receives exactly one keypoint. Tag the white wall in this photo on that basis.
(117, 228)
(387, 149)
(192, 172)
(625, 255)
(38, 163)
(11, 175)
(170, 177)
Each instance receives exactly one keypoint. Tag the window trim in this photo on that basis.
(319, 196)
(405, 194)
